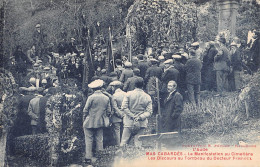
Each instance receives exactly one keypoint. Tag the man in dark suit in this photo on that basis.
(153, 71)
(193, 77)
(130, 83)
(172, 109)
(236, 66)
(95, 116)
(142, 65)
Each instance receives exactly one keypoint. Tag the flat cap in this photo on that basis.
(233, 44)
(44, 81)
(153, 60)
(195, 44)
(128, 64)
(39, 61)
(81, 54)
(36, 65)
(96, 84)
(103, 71)
(169, 61)
(115, 83)
(46, 68)
(176, 56)
(161, 58)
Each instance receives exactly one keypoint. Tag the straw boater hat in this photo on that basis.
(96, 84)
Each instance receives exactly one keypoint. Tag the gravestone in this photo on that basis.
(227, 15)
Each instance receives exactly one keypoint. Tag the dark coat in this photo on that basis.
(193, 71)
(142, 66)
(180, 67)
(170, 74)
(130, 83)
(153, 71)
(236, 60)
(256, 53)
(221, 61)
(173, 107)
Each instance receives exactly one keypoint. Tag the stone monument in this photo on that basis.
(227, 15)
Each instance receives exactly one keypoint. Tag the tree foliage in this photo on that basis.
(159, 23)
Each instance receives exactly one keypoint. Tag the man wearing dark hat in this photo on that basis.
(142, 65)
(105, 77)
(127, 72)
(193, 77)
(153, 71)
(137, 106)
(116, 119)
(95, 117)
(130, 83)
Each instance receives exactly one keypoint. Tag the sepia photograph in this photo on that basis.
(129, 83)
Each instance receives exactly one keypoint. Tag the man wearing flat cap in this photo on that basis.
(130, 82)
(39, 41)
(170, 73)
(142, 65)
(127, 72)
(95, 117)
(116, 119)
(193, 77)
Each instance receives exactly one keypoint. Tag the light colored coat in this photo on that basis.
(136, 102)
(97, 108)
(118, 97)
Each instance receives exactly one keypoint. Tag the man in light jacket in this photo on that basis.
(137, 106)
(95, 116)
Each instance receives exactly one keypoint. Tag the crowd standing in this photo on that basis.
(119, 98)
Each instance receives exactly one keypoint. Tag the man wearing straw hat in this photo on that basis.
(95, 117)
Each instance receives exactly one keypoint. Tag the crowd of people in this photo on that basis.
(119, 98)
